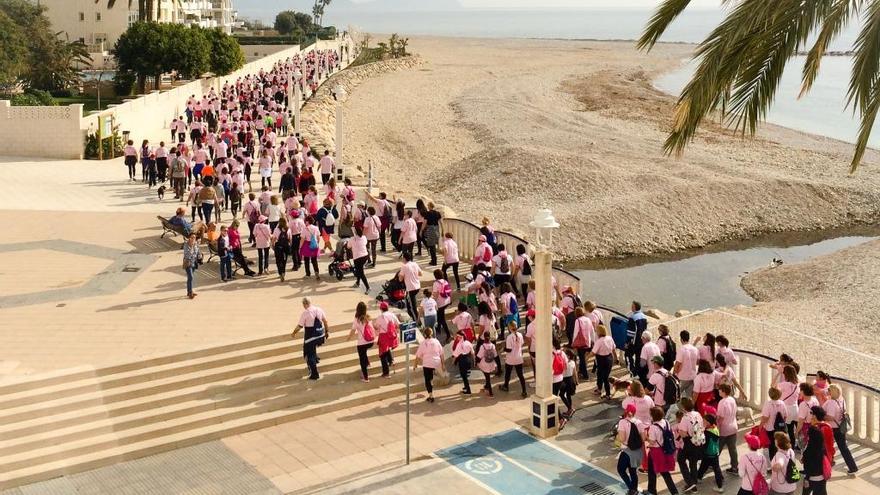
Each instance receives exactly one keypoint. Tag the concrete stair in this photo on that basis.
(71, 421)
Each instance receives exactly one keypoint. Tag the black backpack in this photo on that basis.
(792, 473)
(668, 439)
(669, 355)
(527, 267)
(671, 389)
(283, 241)
(634, 441)
(779, 423)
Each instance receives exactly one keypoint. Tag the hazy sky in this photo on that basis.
(576, 3)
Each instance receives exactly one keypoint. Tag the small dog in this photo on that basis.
(161, 192)
(619, 385)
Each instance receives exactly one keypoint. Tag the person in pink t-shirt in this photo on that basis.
(362, 326)
(513, 358)
(430, 354)
(410, 274)
(685, 367)
(409, 233)
(727, 425)
(360, 255)
(372, 229)
(449, 248)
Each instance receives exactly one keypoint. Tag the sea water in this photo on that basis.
(823, 111)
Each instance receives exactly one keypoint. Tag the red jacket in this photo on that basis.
(828, 435)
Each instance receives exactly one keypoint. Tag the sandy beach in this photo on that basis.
(504, 125)
(497, 127)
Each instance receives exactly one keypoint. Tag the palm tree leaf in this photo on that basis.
(785, 25)
(863, 92)
(837, 18)
(869, 116)
(666, 13)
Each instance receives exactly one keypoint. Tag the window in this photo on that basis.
(98, 16)
(82, 16)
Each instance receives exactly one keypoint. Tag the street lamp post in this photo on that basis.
(544, 423)
(297, 100)
(339, 94)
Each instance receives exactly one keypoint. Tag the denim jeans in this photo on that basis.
(225, 267)
(207, 209)
(430, 321)
(189, 280)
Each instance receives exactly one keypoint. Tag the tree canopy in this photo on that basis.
(742, 61)
(31, 53)
(289, 22)
(149, 49)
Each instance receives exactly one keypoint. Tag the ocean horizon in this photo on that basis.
(822, 112)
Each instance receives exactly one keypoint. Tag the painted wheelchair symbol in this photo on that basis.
(483, 465)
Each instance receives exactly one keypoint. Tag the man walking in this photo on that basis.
(315, 323)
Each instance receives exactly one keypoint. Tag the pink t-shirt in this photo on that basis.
(583, 326)
(382, 321)
(789, 392)
(688, 356)
(327, 164)
(371, 228)
(649, 350)
(655, 433)
(727, 417)
(358, 328)
(530, 334)
(770, 409)
(436, 289)
(706, 353)
(604, 346)
(450, 251)
(262, 234)
(804, 409)
(777, 476)
(463, 320)
(409, 232)
(834, 409)
(658, 381)
(625, 425)
(430, 352)
(704, 382)
(358, 247)
(643, 407)
(515, 344)
(309, 316)
(411, 273)
(750, 464)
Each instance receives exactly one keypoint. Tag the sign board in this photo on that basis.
(408, 332)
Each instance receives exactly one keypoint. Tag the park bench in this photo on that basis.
(169, 227)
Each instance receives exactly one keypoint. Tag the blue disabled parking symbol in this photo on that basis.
(515, 463)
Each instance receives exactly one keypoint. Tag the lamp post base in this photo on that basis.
(545, 416)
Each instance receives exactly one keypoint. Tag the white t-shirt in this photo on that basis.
(429, 306)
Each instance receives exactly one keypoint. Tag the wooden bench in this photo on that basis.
(169, 227)
(212, 250)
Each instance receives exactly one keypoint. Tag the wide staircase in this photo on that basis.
(69, 422)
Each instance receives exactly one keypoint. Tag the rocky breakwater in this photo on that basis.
(319, 113)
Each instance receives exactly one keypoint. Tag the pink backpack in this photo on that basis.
(759, 482)
(445, 289)
(369, 332)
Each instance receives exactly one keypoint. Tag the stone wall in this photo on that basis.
(41, 131)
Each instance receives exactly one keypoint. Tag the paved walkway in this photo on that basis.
(87, 281)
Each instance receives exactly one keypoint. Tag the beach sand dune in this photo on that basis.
(500, 127)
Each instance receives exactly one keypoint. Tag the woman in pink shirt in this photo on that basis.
(752, 464)
(789, 388)
(727, 426)
(464, 322)
(366, 335)
(131, 159)
(774, 415)
(441, 291)
(263, 239)
(659, 462)
(582, 340)
(636, 396)
(450, 258)
(522, 270)
(707, 350)
(513, 358)
(309, 246)
(387, 325)
(358, 246)
(410, 274)
(603, 349)
(463, 355)
(704, 385)
(409, 233)
(372, 229)
(430, 354)
(297, 226)
(835, 409)
(487, 357)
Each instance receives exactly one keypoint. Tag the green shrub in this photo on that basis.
(91, 148)
(123, 83)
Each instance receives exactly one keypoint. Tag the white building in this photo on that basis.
(99, 23)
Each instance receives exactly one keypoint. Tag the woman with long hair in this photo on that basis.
(366, 335)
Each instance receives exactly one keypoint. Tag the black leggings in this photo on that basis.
(387, 360)
(441, 322)
(582, 363)
(508, 368)
(411, 308)
(812, 487)
(372, 251)
(603, 374)
(629, 475)
(454, 267)
(281, 260)
(132, 172)
(313, 260)
(263, 259)
(359, 271)
(464, 369)
(711, 462)
(429, 378)
(297, 259)
(566, 391)
(488, 385)
(362, 356)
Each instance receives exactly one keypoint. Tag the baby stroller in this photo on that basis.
(394, 293)
(340, 265)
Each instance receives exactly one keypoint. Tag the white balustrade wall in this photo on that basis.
(41, 131)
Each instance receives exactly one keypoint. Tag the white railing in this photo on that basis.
(467, 236)
(752, 338)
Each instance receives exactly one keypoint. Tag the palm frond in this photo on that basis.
(785, 25)
(666, 13)
(838, 16)
(863, 92)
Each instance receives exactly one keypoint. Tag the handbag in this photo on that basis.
(762, 435)
(845, 423)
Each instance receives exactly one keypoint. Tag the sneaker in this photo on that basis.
(466, 392)
(690, 488)
(718, 489)
(365, 380)
(852, 473)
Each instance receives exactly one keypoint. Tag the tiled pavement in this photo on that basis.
(209, 468)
